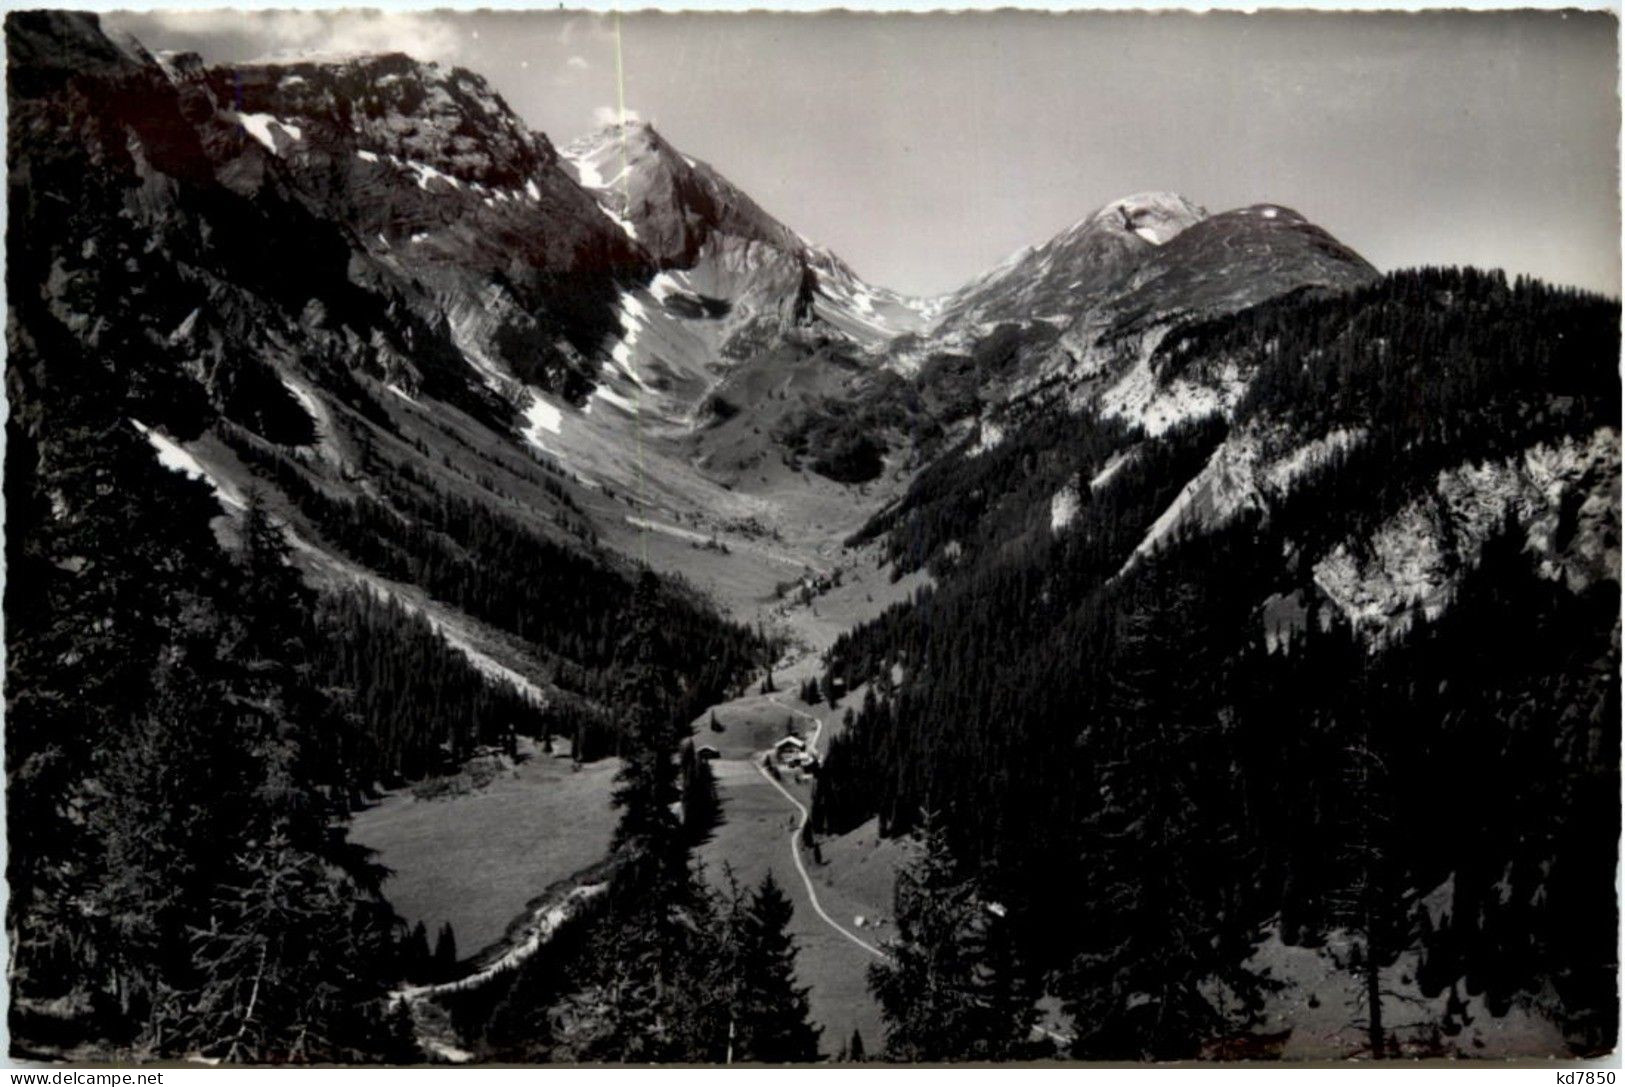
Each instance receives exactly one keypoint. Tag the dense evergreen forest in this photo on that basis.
(420, 707)
(1129, 734)
(188, 724)
(177, 884)
(568, 602)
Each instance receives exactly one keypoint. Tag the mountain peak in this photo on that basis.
(1156, 217)
(671, 203)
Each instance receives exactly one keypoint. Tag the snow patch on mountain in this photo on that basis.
(589, 176)
(633, 317)
(1158, 217)
(321, 419)
(1110, 469)
(172, 455)
(265, 128)
(609, 396)
(404, 395)
(543, 415)
(1052, 281)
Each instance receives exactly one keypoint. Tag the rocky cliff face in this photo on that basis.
(443, 185)
(1562, 499)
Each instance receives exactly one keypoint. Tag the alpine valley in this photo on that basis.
(475, 599)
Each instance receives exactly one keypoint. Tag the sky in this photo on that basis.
(925, 148)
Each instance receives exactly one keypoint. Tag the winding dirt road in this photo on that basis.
(795, 847)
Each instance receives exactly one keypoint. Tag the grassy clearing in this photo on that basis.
(755, 840)
(475, 859)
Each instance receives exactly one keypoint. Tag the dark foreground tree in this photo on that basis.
(770, 1009)
(943, 996)
(653, 975)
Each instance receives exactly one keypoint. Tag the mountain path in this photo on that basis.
(1039, 1030)
(801, 826)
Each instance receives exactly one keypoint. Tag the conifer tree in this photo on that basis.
(400, 1046)
(655, 993)
(941, 996)
(417, 961)
(445, 953)
(770, 1009)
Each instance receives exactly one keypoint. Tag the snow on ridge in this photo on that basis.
(403, 394)
(587, 175)
(172, 455)
(259, 126)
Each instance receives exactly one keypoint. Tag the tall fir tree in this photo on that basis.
(770, 1010)
(942, 996)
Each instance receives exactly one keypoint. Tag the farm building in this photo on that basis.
(792, 751)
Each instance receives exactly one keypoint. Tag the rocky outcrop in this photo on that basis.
(1562, 498)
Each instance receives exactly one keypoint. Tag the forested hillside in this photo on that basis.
(189, 724)
(1201, 772)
